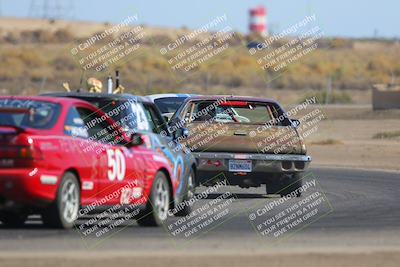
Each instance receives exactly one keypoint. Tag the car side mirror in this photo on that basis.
(185, 132)
(136, 139)
(181, 132)
(295, 123)
(172, 121)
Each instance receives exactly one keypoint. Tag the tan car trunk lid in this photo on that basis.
(240, 137)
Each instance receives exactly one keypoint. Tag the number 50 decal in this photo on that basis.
(116, 165)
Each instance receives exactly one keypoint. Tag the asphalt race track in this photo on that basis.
(360, 209)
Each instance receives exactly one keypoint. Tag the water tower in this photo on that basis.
(258, 20)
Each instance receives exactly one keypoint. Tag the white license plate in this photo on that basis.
(240, 165)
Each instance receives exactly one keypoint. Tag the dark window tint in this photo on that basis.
(99, 129)
(121, 111)
(28, 113)
(169, 104)
(154, 118)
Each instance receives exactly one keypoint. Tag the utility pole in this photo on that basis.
(52, 9)
(328, 90)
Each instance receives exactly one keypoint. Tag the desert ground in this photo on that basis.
(347, 137)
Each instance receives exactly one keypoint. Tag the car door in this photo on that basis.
(121, 169)
(77, 146)
(165, 143)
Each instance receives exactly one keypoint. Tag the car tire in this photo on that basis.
(13, 219)
(291, 183)
(63, 213)
(186, 208)
(157, 207)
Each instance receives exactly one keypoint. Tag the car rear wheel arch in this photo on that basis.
(171, 190)
(68, 192)
(74, 172)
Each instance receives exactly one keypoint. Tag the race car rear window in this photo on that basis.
(169, 104)
(245, 112)
(28, 113)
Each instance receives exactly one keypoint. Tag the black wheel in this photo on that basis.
(291, 183)
(186, 209)
(157, 207)
(13, 219)
(64, 211)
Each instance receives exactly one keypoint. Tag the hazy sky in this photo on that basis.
(351, 18)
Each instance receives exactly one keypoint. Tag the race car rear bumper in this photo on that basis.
(211, 164)
(260, 162)
(27, 187)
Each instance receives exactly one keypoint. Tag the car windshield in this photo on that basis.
(169, 104)
(28, 113)
(245, 112)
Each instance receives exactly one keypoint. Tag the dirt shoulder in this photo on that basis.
(356, 137)
(357, 155)
(351, 143)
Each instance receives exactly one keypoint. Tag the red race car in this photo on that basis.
(61, 157)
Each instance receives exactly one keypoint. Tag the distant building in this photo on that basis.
(385, 97)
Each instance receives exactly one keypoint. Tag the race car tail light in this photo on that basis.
(215, 163)
(25, 152)
(13, 152)
(19, 156)
(20, 152)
